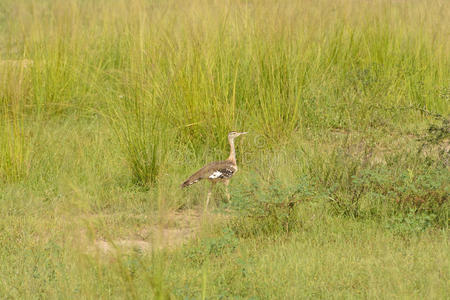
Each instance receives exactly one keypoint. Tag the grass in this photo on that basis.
(106, 107)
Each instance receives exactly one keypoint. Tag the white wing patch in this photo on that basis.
(215, 175)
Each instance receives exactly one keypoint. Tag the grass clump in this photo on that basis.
(15, 144)
(141, 136)
(15, 150)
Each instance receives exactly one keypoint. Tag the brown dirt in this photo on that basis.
(172, 230)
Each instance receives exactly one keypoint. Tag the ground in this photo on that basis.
(106, 107)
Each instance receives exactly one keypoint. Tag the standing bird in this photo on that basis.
(218, 171)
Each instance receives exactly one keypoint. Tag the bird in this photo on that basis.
(218, 171)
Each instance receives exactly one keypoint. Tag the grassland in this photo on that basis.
(107, 106)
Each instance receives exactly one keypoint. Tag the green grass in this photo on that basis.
(343, 186)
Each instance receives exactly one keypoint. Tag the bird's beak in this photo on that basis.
(243, 133)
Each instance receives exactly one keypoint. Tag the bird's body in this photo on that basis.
(219, 171)
(215, 172)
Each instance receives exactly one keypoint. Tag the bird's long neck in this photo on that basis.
(232, 156)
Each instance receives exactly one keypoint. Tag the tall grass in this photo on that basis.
(141, 136)
(15, 145)
(221, 66)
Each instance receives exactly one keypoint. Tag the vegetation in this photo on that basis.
(107, 106)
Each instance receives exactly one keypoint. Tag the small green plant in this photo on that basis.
(438, 136)
(269, 208)
(225, 243)
(411, 222)
(217, 246)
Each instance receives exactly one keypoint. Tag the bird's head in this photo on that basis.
(232, 135)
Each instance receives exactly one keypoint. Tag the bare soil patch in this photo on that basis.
(171, 231)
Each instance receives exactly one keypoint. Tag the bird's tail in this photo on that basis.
(194, 178)
(188, 182)
(185, 184)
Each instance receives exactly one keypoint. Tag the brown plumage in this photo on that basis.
(219, 171)
(215, 171)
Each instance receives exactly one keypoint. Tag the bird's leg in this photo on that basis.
(209, 195)
(227, 182)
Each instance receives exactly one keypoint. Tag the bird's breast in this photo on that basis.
(223, 173)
